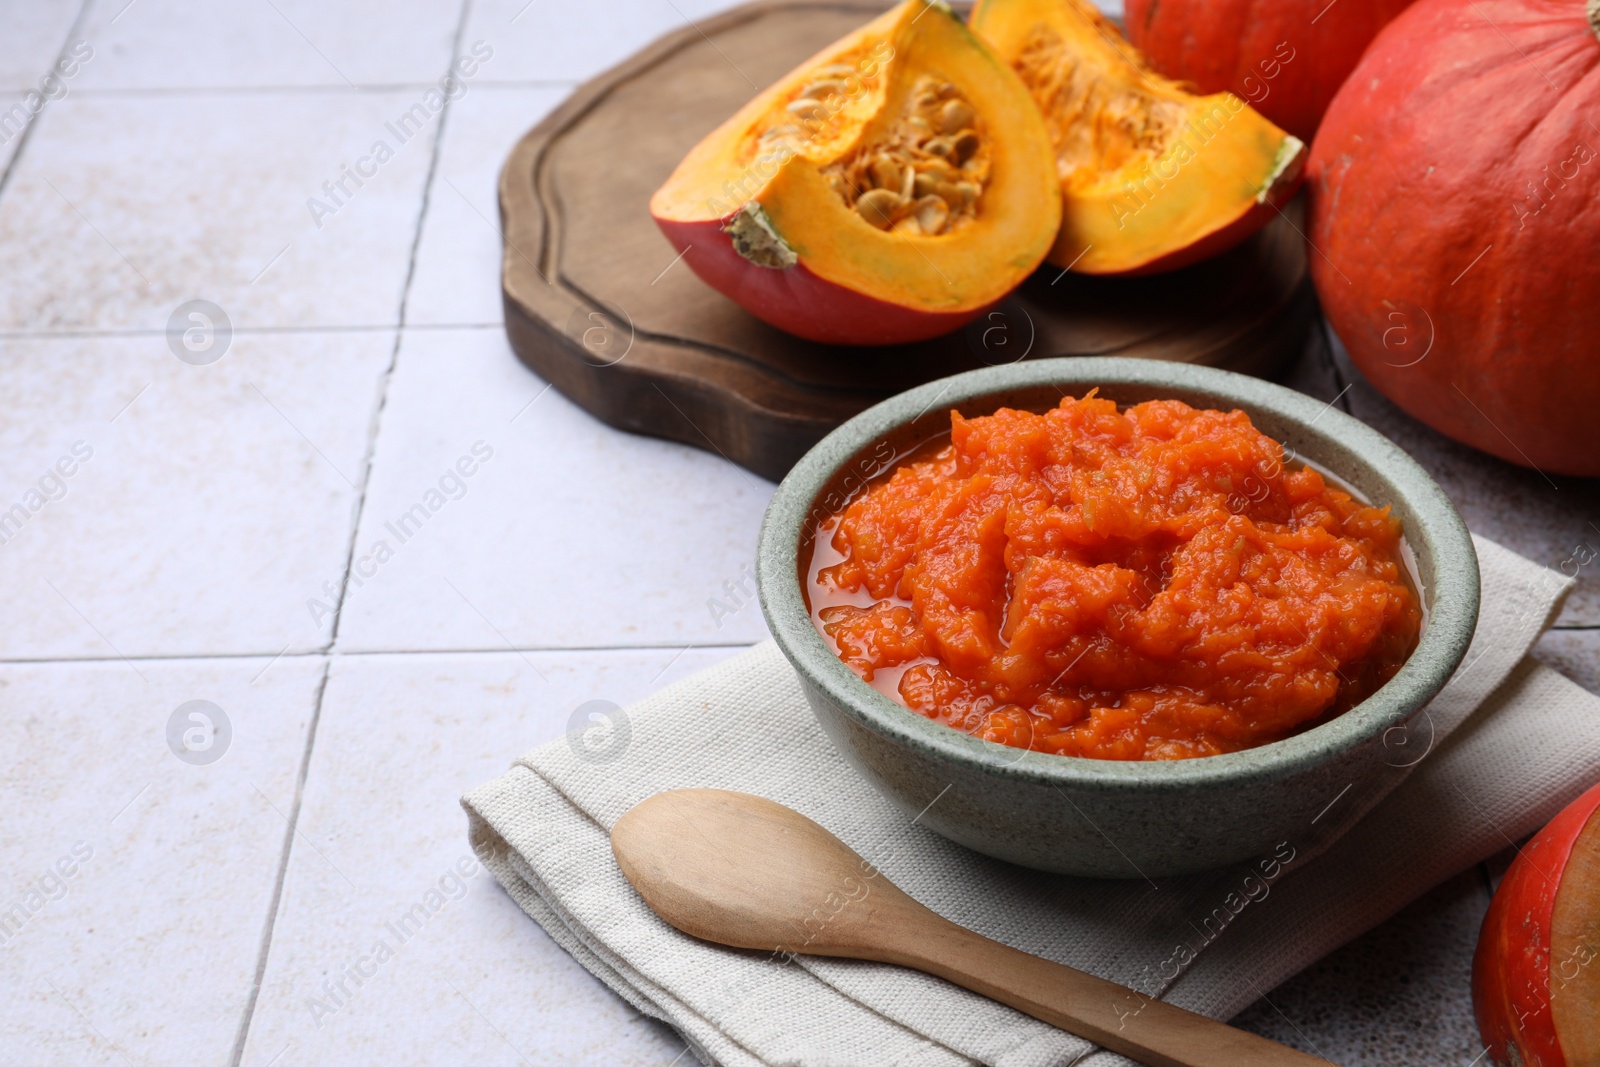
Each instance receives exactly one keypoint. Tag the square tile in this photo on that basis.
(186, 44)
(35, 33)
(566, 533)
(114, 217)
(140, 883)
(457, 277)
(400, 739)
(547, 41)
(154, 508)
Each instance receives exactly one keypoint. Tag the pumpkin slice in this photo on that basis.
(1152, 177)
(890, 189)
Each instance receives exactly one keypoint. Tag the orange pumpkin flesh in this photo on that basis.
(1536, 973)
(1152, 178)
(770, 208)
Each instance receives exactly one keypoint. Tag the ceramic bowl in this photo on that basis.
(1105, 818)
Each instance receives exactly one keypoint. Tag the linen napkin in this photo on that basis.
(1503, 747)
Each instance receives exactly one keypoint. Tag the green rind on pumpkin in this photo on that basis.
(1291, 151)
(757, 240)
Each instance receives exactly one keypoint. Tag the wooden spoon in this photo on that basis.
(744, 871)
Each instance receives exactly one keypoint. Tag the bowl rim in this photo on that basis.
(1442, 535)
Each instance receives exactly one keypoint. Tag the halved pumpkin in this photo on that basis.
(1152, 177)
(889, 189)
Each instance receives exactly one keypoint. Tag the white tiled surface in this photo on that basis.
(215, 501)
(458, 262)
(34, 34)
(401, 738)
(124, 206)
(546, 41)
(209, 44)
(16, 115)
(621, 541)
(146, 952)
(187, 557)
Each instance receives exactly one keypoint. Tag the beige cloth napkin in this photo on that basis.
(1507, 743)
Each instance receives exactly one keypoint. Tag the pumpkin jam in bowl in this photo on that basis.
(1116, 617)
(1147, 584)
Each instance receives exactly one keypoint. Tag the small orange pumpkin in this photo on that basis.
(1454, 185)
(1536, 974)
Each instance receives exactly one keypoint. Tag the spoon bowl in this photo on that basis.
(711, 882)
(744, 871)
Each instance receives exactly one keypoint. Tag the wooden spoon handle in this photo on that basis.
(1116, 1017)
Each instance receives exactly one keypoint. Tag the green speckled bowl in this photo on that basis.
(1097, 817)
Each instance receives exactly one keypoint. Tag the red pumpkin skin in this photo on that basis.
(1511, 968)
(1465, 292)
(1286, 57)
(1215, 244)
(797, 301)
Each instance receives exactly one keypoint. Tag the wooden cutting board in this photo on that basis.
(597, 303)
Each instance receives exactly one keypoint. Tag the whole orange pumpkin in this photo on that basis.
(1455, 216)
(1536, 974)
(1286, 57)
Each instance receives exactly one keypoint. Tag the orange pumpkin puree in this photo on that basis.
(1154, 583)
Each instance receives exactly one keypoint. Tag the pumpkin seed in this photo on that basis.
(821, 90)
(950, 193)
(926, 176)
(807, 109)
(885, 173)
(878, 207)
(955, 115)
(963, 146)
(931, 213)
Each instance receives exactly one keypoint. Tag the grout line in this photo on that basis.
(293, 821)
(243, 331)
(27, 131)
(394, 353)
(315, 653)
(355, 531)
